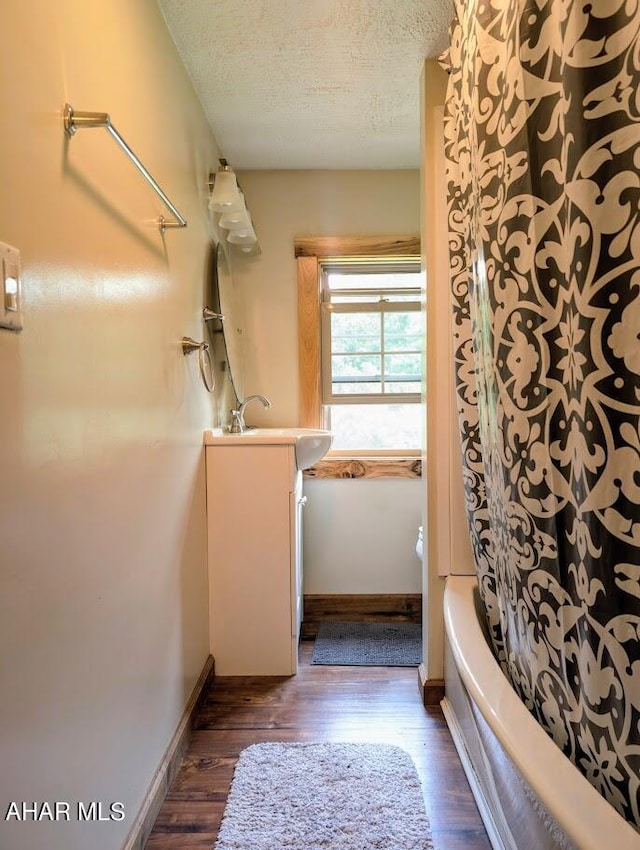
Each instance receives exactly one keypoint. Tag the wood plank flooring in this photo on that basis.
(373, 704)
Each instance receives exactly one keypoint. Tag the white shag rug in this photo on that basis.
(337, 796)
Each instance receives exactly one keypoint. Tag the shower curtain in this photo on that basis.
(542, 142)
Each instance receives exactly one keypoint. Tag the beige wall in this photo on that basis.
(103, 628)
(298, 203)
(368, 544)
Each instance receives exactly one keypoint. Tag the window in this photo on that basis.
(371, 405)
(372, 354)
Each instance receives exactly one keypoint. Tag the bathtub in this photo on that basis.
(529, 794)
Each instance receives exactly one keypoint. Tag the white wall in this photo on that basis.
(360, 536)
(446, 533)
(103, 627)
(369, 547)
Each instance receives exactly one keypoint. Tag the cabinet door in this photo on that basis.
(249, 523)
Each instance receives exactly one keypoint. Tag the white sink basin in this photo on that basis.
(310, 444)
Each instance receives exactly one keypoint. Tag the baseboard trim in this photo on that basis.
(431, 690)
(362, 607)
(169, 765)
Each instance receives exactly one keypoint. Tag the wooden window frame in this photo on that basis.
(309, 252)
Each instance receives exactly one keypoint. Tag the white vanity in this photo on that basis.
(254, 522)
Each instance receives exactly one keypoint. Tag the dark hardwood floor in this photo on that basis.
(376, 704)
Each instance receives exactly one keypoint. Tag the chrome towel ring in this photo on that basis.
(204, 360)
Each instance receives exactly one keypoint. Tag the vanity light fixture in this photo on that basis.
(227, 201)
(225, 194)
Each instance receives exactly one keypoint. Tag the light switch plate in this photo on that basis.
(10, 288)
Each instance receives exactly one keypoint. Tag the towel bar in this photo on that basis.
(77, 120)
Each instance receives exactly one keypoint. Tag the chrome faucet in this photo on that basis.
(237, 416)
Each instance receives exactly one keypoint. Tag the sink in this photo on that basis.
(310, 444)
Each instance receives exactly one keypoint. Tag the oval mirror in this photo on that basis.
(226, 299)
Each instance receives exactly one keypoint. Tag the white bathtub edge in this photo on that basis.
(589, 821)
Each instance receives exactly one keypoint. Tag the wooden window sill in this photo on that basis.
(342, 467)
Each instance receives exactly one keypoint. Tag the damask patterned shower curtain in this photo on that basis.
(542, 138)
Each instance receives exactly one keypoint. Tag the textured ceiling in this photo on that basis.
(310, 83)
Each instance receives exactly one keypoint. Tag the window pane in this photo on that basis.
(399, 366)
(356, 345)
(340, 388)
(376, 426)
(355, 367)
(402, 386)
(403, 331)
(403, 323)
(403, 343)
(355, 324)
(355, 332)
(369, 280)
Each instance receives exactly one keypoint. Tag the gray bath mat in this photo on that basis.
(369, 644)
(338, 796)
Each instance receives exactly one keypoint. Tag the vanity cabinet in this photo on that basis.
(254, 523)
